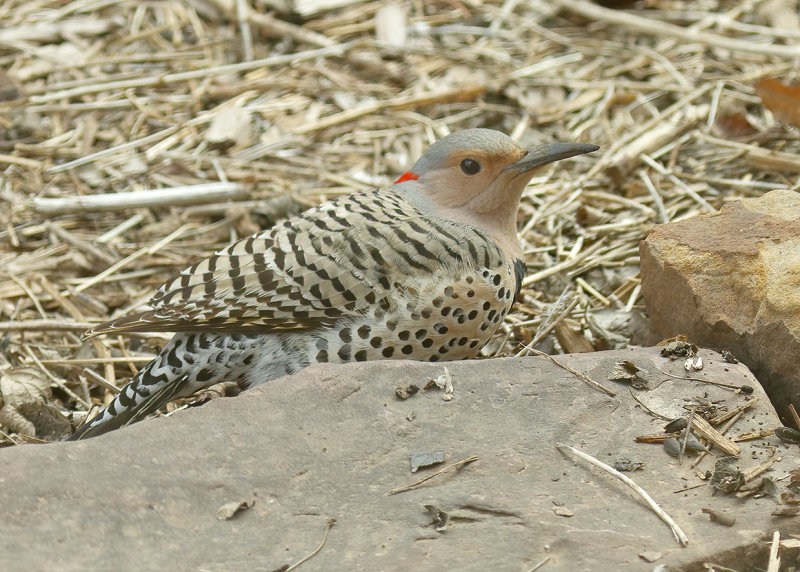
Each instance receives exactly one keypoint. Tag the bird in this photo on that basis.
(424, 269)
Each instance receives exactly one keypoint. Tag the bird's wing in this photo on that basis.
(308, 272)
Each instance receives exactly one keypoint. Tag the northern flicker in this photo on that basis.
(425, 269)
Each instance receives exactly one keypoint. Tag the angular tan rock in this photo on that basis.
(731, 280)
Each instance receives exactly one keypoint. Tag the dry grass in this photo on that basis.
(277, 112)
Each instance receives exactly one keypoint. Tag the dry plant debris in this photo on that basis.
(138, 137)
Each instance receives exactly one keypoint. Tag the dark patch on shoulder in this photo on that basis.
(519, 273)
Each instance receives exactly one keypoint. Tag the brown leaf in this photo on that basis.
(790, 498)
(794, 479)
(49, 423)
(781, 99)
(21, 385)
(733, 124)
(13, 421)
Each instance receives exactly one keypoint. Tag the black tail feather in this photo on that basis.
(143, 395)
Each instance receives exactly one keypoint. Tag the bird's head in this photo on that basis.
(477, 176)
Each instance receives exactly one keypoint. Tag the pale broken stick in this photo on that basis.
(89, 361)
(774, 564)
(705, 430)
(688, 34)
(730, 423)
(725, 416)
(753, 472)
(177, 77)
(131, 257)
(184, 195)
(45, 326)
(679, 535)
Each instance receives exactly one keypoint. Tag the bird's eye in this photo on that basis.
(470, 167)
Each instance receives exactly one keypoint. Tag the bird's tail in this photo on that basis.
(158, 383)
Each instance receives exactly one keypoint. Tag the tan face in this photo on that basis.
(467, 174)
(477, 177)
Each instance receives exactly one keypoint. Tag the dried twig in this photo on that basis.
(755, 471)
(774, 563)
(456, 465)
(314, 552)
(730, 423)
(188, 195)
(795, 417)
(60, 383)
(688, 34)
(650, 411)
(162, 80)
(705, 430)
(45, 326)
(686, 433)
(575, 372)
(679, 535)
(733, 412)
(701, 380)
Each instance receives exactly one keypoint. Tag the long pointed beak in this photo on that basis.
(549, 153)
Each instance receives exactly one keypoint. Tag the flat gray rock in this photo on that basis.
(332, 441)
